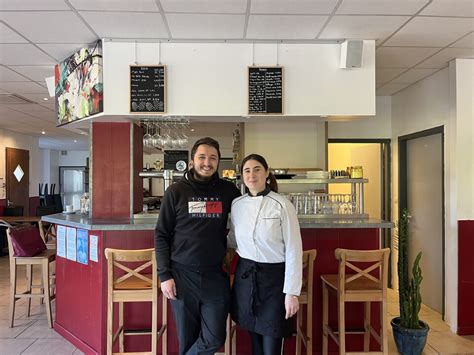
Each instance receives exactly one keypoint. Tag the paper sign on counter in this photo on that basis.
(94, 255)
(71, 243)
(61, 241)
(82, 246)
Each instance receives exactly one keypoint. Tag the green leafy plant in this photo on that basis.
(408, 288)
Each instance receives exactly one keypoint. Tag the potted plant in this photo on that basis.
(409, 332)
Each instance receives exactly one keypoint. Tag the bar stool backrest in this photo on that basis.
(308, 270)
(367, 266)
(122, 275)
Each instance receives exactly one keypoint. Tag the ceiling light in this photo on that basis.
(75, 140)
(192, 129)
(43, 132)
(45, 99)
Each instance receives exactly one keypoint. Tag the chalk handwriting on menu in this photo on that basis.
(148, 89)
(265, 90)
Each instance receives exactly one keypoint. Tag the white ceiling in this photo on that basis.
(415, 38)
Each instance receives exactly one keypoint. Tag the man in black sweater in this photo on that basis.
(190, 243)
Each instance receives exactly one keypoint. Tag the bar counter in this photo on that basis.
(148, 221)
(81, 289)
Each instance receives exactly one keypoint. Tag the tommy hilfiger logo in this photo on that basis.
(205, 207)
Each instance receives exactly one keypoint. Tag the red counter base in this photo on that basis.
(81, 300)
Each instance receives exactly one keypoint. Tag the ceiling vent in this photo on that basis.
(14, 99)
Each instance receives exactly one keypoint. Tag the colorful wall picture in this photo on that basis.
(78, 84)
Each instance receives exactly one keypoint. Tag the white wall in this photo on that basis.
(211, 78)
(378, 126)
(462, 112)
(73, 158)
(9, 139)
(54, 168)
(427, 104)
(287, 143)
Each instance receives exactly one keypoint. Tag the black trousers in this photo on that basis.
(200, 310)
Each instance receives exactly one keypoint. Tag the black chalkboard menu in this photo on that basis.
(147, 89)
(265, 90)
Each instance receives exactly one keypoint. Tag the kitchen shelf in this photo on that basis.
(357, 193)
(302, 180)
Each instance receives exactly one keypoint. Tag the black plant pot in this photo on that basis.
(409, 341)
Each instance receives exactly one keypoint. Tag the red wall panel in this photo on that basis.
(111, 169)
(465, 277)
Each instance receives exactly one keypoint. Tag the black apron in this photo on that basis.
(258, 301)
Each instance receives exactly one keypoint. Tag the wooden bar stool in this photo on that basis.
(306, 298)
(127, 284)
(43, 259)
(364, 283)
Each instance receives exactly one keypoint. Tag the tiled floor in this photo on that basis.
(32, 335)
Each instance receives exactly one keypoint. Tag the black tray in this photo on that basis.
(284, 176)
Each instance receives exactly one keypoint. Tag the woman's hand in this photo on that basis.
(291, 305)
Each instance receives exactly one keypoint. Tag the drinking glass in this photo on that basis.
(147, 136)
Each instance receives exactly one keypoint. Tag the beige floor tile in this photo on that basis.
(393, 309)
(9, 333)
(449, 343)
(435, 322)
(14, 346)
(429, 350)
(40, 330)
(50, 346)
(20, 312)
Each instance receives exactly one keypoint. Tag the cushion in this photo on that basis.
(27, 241)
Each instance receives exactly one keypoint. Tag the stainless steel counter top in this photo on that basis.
(81, 221)
(148, 222)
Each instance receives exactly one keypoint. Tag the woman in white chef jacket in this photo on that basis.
(265, 233)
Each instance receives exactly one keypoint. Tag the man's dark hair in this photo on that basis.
(205, 141)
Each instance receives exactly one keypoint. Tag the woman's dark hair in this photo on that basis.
(271, 181)
(205, 141)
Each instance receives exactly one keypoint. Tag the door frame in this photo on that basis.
(403, 190)
(385, 185)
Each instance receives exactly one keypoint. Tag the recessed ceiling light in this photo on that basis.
(43, 132)
(75, 140)
(192, 130)
(45, 99)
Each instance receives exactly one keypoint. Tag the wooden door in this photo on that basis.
(18, 178)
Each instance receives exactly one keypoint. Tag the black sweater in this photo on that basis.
(191, 228)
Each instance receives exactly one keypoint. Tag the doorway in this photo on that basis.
(17, 178)
(421, 161)
(374, 156)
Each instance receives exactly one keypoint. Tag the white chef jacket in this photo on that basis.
(265, 229)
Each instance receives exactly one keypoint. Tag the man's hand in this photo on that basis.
(291, 306)
(168, 288)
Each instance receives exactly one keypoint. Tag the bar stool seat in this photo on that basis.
(134, 284)
(366, 282)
